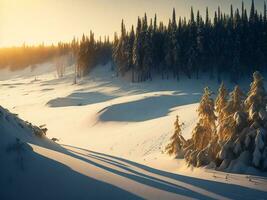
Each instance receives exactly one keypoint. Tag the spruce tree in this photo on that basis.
(252, 12)
(256, 100)
(203, 147)
(235, 104)
(175, 147)
(148, 53)
(221, 102)
(192, 51)
(175, 47)
(130, 50)
(204, 131)
(137, 50)
(232, 112)
(122, 58)
(115, 51)
(168, 47)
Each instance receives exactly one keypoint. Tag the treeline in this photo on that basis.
(231, 130)
(16, 58)
(234, 44)
(90, 52)
(86, 53)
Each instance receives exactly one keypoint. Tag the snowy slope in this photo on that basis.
(111, 131)
(26, 174)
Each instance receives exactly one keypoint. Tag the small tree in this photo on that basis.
(175, 147)
(221, 102)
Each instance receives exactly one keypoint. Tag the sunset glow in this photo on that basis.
(49, 21)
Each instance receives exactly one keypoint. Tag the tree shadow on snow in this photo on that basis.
(146, 109)
(43, 178)
(79, 99)
(150, 176)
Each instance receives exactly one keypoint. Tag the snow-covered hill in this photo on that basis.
(26, 174)
(112, 135)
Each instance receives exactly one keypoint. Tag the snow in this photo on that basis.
(112, 136)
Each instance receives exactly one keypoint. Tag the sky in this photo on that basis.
(50, 21)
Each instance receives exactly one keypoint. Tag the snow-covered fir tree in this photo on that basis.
(239, 140)
(233, 111)
(196, 150)
(175, 147)
(256, 100)
(256, 108)
(202, 134)
(221, 102)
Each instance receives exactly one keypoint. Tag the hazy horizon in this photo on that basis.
(38, 21)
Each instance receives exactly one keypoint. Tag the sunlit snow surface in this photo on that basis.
(114, 133)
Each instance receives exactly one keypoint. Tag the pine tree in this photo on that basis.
(81, 61)
(205, 129)
(252, 12)
(233, 114)
(175, 147)
(175, 47)
(122, 58)
(203, 147)
(235, 104)
(200, 45)
(137, 51)
(192, 51)
(115, 51)
(265, 14)
(206, 43)
(221, 102)
(130, 51)
(256, 100)
(148, 53)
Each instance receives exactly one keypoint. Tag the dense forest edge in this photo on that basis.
(232, 45)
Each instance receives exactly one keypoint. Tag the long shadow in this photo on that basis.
(135, 175)
(42, 178)
(79, 99)
(130, 174)
(127, 168)
(224, 189)
(140, 177)
(147, 108)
